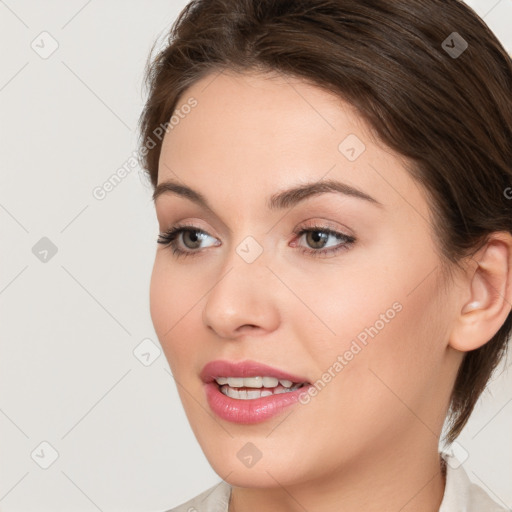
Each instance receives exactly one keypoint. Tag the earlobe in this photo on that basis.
(489, 304)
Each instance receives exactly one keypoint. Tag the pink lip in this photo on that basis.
(222, 368)
(247, 411)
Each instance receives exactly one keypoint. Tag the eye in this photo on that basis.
(192, 238)
(317, 236)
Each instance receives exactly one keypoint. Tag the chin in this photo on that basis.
(256, 477)
(269, 467)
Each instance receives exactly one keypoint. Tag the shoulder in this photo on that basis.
(463, 495)
(214, 499)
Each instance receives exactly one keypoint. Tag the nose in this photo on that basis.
(241, 300)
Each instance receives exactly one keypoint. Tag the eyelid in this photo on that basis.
(326, 223)
(183, 210)
(170, 235)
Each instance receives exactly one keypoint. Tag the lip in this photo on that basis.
(252, 411)
(223, 368)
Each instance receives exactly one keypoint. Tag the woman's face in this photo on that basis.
(369, 323)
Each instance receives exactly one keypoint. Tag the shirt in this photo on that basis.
(460, 494)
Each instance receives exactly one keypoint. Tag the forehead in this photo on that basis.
(254, 113)
(252, 134)
(273, 108)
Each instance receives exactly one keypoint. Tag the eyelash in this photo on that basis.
(168, 239)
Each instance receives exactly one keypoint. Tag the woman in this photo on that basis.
(332, 181)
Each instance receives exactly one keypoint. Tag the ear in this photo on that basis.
(487, 294)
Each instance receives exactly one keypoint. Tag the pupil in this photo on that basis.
(193, 235)
(317, 236)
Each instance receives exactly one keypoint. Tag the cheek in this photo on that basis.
(388, 349)
(159, 308)
(346, 304)
(171, 301)
(383, 318)
(385, 297)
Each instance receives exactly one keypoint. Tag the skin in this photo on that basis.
(369, 439)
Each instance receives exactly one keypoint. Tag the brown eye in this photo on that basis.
(195, 240)
(316, 239)
(192, 238)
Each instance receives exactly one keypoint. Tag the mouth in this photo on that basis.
(249, 392)
(250, 388)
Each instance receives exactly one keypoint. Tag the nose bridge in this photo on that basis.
(242, 294)
(249, 251)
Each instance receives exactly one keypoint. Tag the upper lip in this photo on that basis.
(223, 368)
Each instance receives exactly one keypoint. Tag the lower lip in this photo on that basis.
(254, 410)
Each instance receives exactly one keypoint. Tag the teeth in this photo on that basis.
(270, 382)
(244, 394)
(253, 382)
(236, 382)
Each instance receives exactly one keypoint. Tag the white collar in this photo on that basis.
(461, 494)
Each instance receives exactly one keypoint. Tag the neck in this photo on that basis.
(410, 479)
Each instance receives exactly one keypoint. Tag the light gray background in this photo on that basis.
(69, 326)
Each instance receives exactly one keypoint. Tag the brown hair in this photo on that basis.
(449, 115)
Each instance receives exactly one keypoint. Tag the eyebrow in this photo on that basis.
(278, 201)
